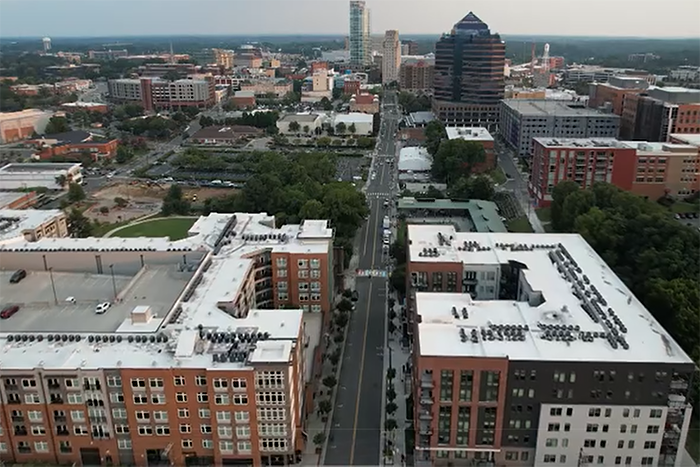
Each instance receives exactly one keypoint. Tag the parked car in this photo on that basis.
(9, 311)
(18, 276)
(102, 308)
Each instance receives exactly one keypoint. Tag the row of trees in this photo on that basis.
(297, 187)
(151, 127)
(656, 256)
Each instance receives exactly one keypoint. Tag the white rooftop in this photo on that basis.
(414, 159)
(353, 117)
(228, 243)
(554, 323)
(14, 222)
(468, 133)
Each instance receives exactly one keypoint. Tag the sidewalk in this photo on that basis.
(396, 357)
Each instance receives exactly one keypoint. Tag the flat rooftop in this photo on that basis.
(578, 142)
(468, 133)
(9, 197)
(14, 222)
(553, 108)
(195, 321)
(39, 167)
(233, 131)
(578, 309)
(483, 214)
(40, 311)
(308, 118)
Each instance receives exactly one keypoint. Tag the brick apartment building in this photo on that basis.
(417, 76)
(647, 169)
(525, 353)
(209, 362)
(659, 112)
(611, 95)
(74, 144)
(158, 94)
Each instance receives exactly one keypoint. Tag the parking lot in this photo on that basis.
(348, 167)
(41, 311)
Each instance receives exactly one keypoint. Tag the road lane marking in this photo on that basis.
(364, 343)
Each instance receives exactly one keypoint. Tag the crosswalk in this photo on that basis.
(378, 195)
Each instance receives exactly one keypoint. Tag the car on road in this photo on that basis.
(102, 308)
(18, 276)
(8, 311)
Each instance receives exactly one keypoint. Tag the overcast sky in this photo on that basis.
(638, 18)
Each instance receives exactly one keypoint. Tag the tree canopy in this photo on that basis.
(656, 256)
(455, 158)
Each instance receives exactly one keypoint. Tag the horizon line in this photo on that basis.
(165, 35)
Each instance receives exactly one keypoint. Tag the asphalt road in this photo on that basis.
(355, 431)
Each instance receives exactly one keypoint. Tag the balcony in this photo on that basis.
(426, 398)
(98, 419)
(263, 285)
(66, 449)
(425, 429)
(14, 401)
(96, 386)
(21, 432)
(56, 399)
(62, 433)
(59, 418)
(679, 384)
(264, 273)
(17, 418)
(426, 382)
(53, 385)
(425, 415)
(11, 385)
(24, 449)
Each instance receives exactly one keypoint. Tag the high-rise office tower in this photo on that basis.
(469, 82)
(391, 61)
(360, 53)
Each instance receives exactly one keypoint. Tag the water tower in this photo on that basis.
(46, 41)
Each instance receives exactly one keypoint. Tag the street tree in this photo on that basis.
(345, 305)
(455, 158)
(174, 203)
(79, 226)
(390, 424)
(294, 127)
(325, 406)
(391, 407)
(75, 193)
(340, 128)
(330, 381)
(434, 134)
(352, 129)
(306, 129)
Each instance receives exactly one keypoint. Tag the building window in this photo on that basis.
(226, 446)
(200, 380)
(116, 413)
(156, 383)
(221, 399)
(181, 397)
(185, 428)
(466, 380)
(186, 444)
(202, 397)
(207, 444)
(160, 415)
(303, 264)
(223, 417)
(114, 381)
(158, 399)
(315, 263)
(162, 430)
(142, 415)
(205, 429)
(244, 447)
(281, 262)
(240, 399)
(145, 430)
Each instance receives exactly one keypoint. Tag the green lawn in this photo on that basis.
(498, 176)
(682, 206)
(520, 225)
(175, 228)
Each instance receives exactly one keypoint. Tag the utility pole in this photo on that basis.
(114, 283)
(53, 286)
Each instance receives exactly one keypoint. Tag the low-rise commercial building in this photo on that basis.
(278, 87)
(414, 160)
(85, 106)
(205, 356)
(54, 176)
(73, 145)
(225, 134)
(480, 136)
(243, 99)
(647, 169)
(363, 123)
(16, 126)
(364, 102)
(521, 120)
(31, 225)
(157, 70)
(18, 200)
(291, 124)
(529, 350)
(107, 54)
(465, 215)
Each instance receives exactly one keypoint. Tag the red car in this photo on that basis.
(9, 311)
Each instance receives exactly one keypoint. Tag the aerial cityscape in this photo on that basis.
(358, 236)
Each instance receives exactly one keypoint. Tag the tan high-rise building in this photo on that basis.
(391, 60)
(224, 58)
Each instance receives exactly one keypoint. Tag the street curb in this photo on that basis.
(385, 382)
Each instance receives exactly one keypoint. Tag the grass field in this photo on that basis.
(520, 225)
(175, 228)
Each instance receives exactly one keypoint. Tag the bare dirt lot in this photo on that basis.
(204, 193)
(141, 200)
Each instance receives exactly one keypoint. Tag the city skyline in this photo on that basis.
(81, 18)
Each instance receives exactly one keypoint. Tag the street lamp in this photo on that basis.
(114, 283)
(53, 286)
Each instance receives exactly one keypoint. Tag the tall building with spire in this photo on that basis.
(360, 50)
(469, 82)
(391, 56)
